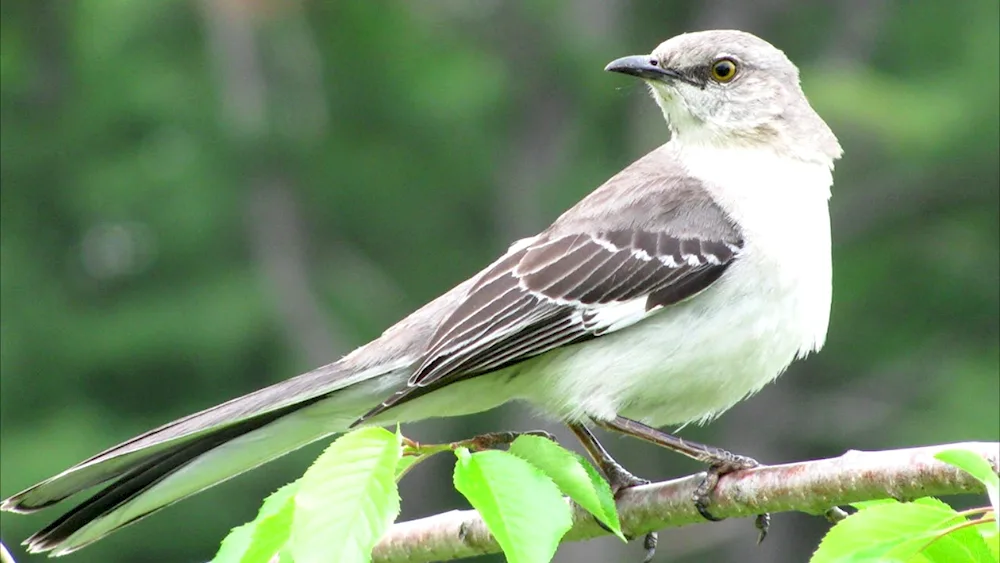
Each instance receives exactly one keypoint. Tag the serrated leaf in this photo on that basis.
(574, 476)
(937, 545)
(991, 535)
(933, 502)
(898, 532)
(992, 542)
(928, 501)
(522, 507)
(406, 463)
(973, 464)
(962, 544)
(861, 505)
(347, 498)
(258, 540)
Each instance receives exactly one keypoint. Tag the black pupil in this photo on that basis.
(723, 69)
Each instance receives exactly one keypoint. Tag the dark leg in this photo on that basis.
(618, 477)
(719, 461)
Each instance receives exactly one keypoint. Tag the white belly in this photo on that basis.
(696, 359)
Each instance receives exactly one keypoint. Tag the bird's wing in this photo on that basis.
(561, 290)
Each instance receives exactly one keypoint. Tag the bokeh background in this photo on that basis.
(203, 197)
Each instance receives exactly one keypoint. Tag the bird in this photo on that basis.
(680, 286)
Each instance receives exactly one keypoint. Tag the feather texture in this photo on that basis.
(563, 289)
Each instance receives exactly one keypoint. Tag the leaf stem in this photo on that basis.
(975, 511)
(488, 441)
(955, 528)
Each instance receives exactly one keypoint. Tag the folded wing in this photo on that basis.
(561, 290)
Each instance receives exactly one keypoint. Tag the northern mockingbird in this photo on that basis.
(684, 284)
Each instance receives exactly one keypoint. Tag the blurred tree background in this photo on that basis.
(200, 198)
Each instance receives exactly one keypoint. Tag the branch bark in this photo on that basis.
(810, 486)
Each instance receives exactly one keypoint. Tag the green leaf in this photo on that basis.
(258, 540)
(889, 532)
(575, 476)
(990, 534)
(973, 464)
(861, 505)
(5, 556)
(347, 498)
(521, 506)
(406, 463)
(992, 543)
(928, 501)
(960, 544)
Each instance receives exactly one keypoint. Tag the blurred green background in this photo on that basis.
(201, 198)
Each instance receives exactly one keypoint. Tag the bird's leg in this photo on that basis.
(720, 462)
(618, 477)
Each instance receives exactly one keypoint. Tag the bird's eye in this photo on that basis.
(723, 70)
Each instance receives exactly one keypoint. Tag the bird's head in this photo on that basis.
(730, 87)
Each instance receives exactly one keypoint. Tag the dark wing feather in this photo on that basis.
(552, 293)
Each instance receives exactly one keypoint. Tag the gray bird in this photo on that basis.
(679, 287)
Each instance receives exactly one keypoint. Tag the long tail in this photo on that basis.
(186, 456)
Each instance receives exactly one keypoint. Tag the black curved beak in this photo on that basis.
(643, 66)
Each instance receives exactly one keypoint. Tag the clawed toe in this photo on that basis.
(704, 490)
(763, 523)
(622, 480)
(649, 543)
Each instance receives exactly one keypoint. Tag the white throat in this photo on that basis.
(690, 130)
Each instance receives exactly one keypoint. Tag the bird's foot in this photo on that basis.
(720, 462)
(725, 464)
(620, 479)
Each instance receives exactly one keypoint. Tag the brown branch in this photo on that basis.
(811, 486)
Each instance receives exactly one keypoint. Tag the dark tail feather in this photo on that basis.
(181, 458)
(142, 476)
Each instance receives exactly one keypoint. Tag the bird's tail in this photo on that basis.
(186, 456)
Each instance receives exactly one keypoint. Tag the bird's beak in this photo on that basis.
(643, 66)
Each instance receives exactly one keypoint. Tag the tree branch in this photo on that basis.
(810, 486)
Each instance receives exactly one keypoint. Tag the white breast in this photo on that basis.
(697, 358)
(781, 205)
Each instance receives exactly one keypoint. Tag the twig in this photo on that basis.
(810, 486)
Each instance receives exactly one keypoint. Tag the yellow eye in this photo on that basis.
(723, 70)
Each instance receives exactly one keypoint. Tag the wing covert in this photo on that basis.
(560, 290)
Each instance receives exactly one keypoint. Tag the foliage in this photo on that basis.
(357, 476)
(519, 492)
(575, 476)
(263, 537)
(923, 531)
(522, 507)
(349, 498)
